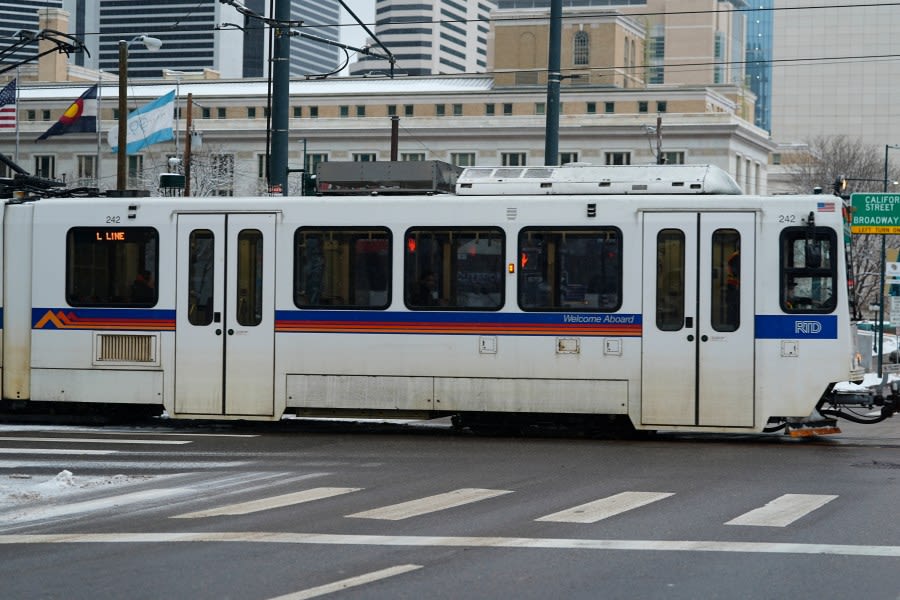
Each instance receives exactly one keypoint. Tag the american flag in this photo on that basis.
(8, 106)
(825, 206)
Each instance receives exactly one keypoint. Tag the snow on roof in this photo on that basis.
(218, 88)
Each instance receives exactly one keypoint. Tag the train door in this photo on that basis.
(698, 334)
(225, 328)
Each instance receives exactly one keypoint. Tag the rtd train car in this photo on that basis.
(655, 297)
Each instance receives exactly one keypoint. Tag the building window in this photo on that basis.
(45, 166)
(135, 169)
(661, 106)
(45, 115)
(408, 110)
(312, 161)
(591, 108)
(408, 156)
(463, 159)
(540, 108)
(261, 166)
(568, 157)
(204, 112)
(31, 115)
(513, 159)
(87, 166)
(643, 107)
(507, 109)
(392, 110)
(581, 49)
(251, 112)
(267, 112)
(489, 109)
(673, 158)
(342, 268)
(457, 110)
(298, 112)
(220, 113)
(609, 107)
(221, 174)
(776, 158)
(344, 111)
(360, 110)
(618, 158)
(363, 157)
(440, 110)
(313, 112)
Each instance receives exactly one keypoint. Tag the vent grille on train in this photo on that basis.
(125, 347)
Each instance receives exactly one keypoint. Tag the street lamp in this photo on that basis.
(152, 44)
(887, 147)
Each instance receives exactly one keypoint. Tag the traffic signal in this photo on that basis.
(840, 186)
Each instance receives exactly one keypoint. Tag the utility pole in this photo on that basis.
(659, 155)
(281, 98)
(551, 142)
(187, 145)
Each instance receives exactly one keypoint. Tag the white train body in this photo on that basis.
(233, 330)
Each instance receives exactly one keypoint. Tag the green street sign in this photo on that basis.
(875, 213)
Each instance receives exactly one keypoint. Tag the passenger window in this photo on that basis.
(725, 300)
(249, 277)
(808, 270)
(570, 269)
(342, 268)
(459, 269)
(201, 258)
(112, 266)
(670, 286)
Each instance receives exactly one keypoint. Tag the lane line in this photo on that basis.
(55, 451)
(782, 511)
(350, 582)
(243, 508)
(456, 542)
(93, 441)
(591, 512)
(430, 504)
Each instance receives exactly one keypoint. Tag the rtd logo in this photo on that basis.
(807, 327)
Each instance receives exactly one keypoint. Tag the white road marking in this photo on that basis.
(149, 464)
(604, 508)
(423, 506)
(80, 451)
(92, 440)
(106, 503)
(344, 584)
(782, 511)
(456, 542)
(243, 508)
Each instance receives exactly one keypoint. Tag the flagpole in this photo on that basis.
(17, 116)
(97, 170)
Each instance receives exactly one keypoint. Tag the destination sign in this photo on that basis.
(875, 213)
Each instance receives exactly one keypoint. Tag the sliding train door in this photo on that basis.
(225, 328)
(698, 319)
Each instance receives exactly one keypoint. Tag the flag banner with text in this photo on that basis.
(149, 124)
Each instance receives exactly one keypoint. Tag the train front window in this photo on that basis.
(570, 269)
(808, 270)
(112, 266)
(460, 268)
(342, 268)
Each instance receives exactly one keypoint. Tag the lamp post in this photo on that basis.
(887, 147)
(153, 44)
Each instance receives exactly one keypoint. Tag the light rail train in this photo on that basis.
(655, 297)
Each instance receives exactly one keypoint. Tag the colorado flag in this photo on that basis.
(80, 117)
(149, 124)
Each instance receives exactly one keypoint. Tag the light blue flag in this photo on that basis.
(149, 124)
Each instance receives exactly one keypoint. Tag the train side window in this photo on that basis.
(454, 269)
(249, 277)
(570, 269)
(808, 270)
(112, 266)
(201, 257)
(342, 268)
(670, 286)
(725, 292)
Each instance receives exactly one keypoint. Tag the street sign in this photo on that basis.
(875, 213)
(895, 310)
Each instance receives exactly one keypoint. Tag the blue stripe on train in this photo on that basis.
(804, 327)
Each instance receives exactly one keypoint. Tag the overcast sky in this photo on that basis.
(355, 35)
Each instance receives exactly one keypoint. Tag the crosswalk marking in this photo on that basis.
(782, 511)
(350, 582)
(243, 508)
(35, 513)
(598, 510)
(80, 451)
(94, 441)
(415, 508)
